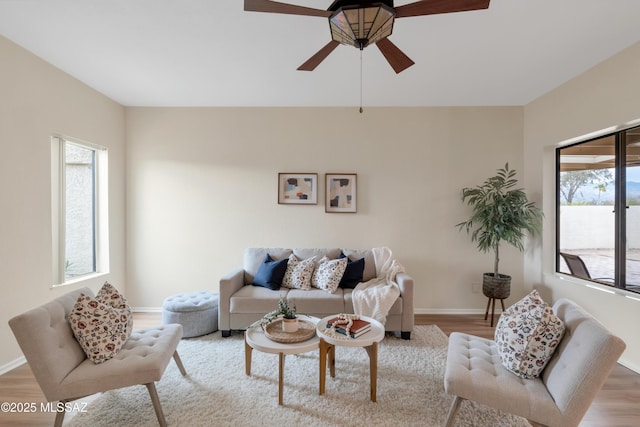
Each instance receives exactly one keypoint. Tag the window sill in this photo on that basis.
(80, 279)
(598, 287)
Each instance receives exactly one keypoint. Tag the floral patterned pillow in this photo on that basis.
(298, 274)
(102, 324)
(328, 274)
(108, 294)
(527, 334)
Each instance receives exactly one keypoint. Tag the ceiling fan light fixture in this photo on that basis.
(362, 26)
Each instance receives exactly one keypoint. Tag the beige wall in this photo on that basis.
(605, 96)
(202, 186)
(37, 100)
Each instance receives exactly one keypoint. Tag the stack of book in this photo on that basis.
(358, 327)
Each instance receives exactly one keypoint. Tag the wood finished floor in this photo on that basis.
(616, 405)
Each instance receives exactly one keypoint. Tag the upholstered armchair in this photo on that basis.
(560, 396)
(62, 369)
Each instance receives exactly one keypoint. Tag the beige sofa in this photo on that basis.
(241, 303)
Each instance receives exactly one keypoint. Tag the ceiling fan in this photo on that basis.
(361, 23)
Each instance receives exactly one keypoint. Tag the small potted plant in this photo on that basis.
(288, 314)
(500, 213)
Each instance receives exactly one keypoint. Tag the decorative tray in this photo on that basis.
(305, 331)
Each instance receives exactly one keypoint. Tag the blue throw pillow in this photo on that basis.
(353, 274)
(270, 273)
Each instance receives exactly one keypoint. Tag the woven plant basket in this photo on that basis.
(496, 287)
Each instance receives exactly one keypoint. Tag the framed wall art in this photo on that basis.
(341, 192)
(298, 188)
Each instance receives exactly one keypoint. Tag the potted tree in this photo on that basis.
(501, 212)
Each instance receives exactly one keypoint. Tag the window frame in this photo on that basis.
(58, 210)
(620, 199)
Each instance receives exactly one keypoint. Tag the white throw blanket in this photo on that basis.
(375, 297)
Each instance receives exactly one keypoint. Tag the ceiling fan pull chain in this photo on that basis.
(361, 81)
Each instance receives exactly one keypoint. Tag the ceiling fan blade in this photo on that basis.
(316, 59)
(396, 58)
(276, 7)
(433, 7)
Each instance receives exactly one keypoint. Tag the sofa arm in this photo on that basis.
(405, 283)
(230, 283)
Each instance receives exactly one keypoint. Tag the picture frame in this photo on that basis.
(341, 192)
(297, 188)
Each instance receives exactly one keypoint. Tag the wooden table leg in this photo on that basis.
(280, 378)
(486, 312)
(331, 353)
(372, 351)
(323, 364)
(247, 355)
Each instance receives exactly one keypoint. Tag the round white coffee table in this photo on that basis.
(369, 341)
(254, 338)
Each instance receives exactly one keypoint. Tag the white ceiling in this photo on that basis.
(212, 53)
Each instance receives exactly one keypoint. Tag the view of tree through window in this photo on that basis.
(598, 212)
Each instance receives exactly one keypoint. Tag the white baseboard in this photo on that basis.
(451, 311)
(12, 365)
(147, 309)
(416, 311)
(635, 368)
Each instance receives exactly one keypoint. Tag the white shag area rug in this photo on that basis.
(216, 391)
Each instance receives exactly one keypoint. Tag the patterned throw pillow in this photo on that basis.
(328, 274)
(298, 274)
(102, 324)
(527, 334)
(108, 294)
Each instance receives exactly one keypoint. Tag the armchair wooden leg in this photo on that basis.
(60, 416)
(457, 400)
(156, 404)
(176, 357)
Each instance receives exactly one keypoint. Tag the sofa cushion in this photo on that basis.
(100, 329)
(369, 271)
(299, 272)
(318, 253)
(270, 273)
(396, 309)
(255, 299)
(527, 334)
(353, 273)
(254, 257)
(317, 302)
(328, 273)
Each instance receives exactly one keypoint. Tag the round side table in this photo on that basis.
(369, 341)
(254, 338)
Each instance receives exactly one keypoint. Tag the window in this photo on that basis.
(79, 209)
(598, 209)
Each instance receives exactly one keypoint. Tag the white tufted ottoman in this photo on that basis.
(197, 312)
